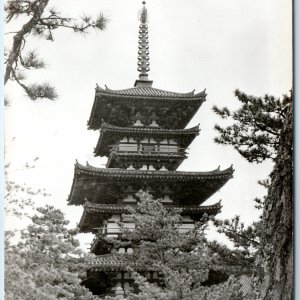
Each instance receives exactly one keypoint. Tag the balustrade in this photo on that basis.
(148, 149)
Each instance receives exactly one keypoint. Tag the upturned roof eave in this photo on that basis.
(109, 127)
(88, 169)
(96, 207)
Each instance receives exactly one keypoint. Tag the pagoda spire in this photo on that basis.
(143, 52)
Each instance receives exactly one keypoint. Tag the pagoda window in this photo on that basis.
(187, 224)
(112, 228)
(186, 227)
(168, 146)
(128, 147)
(149, 148)
(129, 226)
(173, 148)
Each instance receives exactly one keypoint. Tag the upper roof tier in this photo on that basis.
(125, 107)
(106, 186)
(111, 135)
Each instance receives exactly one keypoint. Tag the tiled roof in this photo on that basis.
(174, 110)
(121, 208)
(109, 261)
(156, 130)
(113, 262)
(149, 92)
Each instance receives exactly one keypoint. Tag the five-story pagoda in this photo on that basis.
(143, 135)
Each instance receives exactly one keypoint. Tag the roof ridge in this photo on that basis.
(149, 91)
(106, 125)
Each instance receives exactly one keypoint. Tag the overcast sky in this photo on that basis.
(214, 44)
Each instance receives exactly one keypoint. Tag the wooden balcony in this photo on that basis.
(146, 154)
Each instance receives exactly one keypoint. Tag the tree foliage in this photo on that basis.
(263, 128)
(183, 259)
(46, 263)
(256, 126)
(19, 198)
(246, 243)
(43, 22)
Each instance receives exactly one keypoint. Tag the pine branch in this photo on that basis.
(19, 37)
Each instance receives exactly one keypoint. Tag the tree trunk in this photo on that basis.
(273, 272)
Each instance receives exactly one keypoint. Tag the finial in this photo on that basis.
(143, 52)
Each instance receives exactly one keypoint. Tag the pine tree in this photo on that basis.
(43, 22)
(246, 243)
(262, 129)
(46, 263)
(183, 259)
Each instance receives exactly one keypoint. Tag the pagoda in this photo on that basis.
(144, 136)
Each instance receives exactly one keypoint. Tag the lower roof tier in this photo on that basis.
(95, 215)
(109, 186)
(113, 262)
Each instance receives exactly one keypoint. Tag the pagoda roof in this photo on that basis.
(107, 185)
(117, 107)
(94, 214)
(111, 134)
(113, 262)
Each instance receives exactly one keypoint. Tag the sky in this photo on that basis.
(215, 45)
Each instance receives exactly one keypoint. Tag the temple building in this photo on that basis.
(143, 134)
